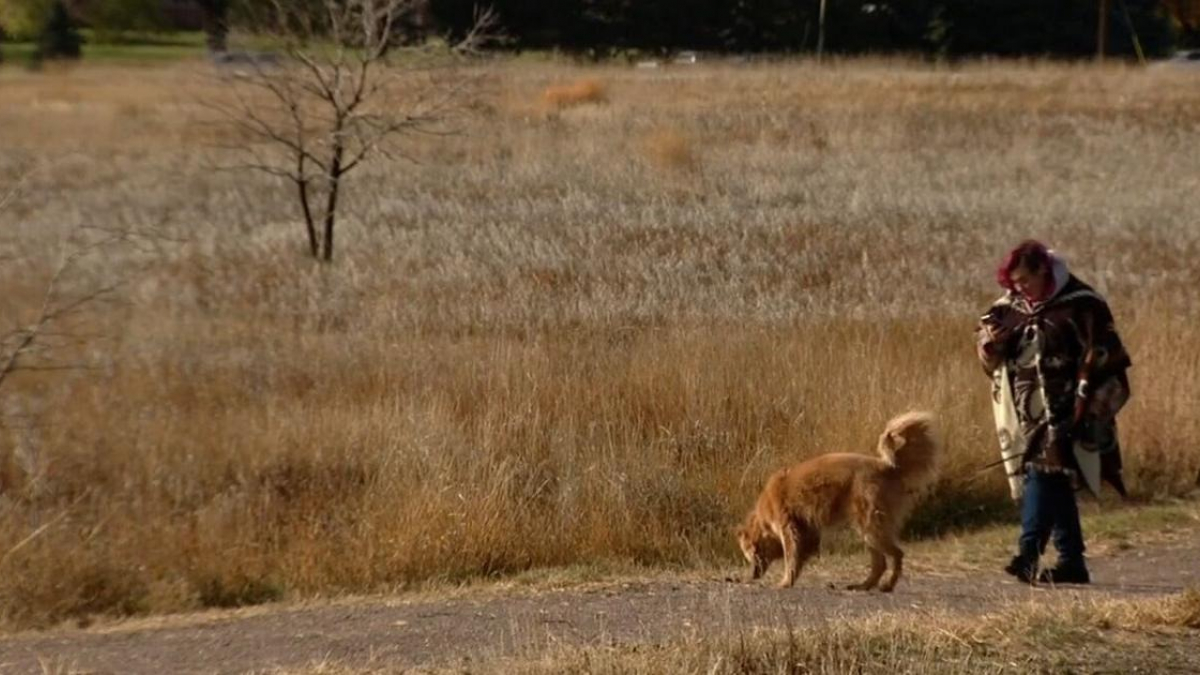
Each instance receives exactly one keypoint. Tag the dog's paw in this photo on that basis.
(886, 589)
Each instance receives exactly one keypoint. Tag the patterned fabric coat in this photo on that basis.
(1080, 375)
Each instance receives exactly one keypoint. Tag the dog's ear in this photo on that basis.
(894, 440)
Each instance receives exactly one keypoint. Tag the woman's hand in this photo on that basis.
(996, 338)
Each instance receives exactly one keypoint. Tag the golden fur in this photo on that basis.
(875, 494)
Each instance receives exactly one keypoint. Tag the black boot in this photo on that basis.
(1022, 569)
(1068, 573)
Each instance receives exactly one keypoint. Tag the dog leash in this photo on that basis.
(979, 472)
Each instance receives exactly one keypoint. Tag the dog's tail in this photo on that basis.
(910, 444)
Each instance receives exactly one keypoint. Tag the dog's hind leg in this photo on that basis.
(865, 521)
(878, 566)
(810, 545)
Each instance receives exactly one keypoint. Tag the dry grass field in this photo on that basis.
(581, 329)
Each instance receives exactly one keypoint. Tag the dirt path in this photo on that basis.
(449, 632)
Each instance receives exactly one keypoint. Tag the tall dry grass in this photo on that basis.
(539, 348)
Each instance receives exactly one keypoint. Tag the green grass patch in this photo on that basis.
(15, 53)
(141, 53)
(123, 48)
(194, 39)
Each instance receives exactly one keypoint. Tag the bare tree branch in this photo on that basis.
(31, 347)
(9, 195)
(484, 29)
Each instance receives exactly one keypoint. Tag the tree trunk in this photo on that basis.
(335, 177)
(216, 24)
(821, 33)
(1101, 29)
(313, 245)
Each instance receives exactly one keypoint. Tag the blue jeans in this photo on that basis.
(1049, 509)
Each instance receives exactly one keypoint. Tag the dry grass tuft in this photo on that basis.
(1177, 611)
(1185, 611)
(670, 150)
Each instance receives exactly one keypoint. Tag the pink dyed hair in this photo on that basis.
(1030, 254)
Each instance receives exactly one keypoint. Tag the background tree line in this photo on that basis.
(606, 27)
(946, 27)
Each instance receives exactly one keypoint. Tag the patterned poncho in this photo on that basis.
(1080, 375)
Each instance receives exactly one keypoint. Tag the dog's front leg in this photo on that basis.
(897, 567)
(758, 568)
(790, 538)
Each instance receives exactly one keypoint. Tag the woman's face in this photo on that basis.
(1030, 283)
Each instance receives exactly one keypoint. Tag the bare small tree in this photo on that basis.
(342, 89)
(50, 331)
(54, 319)
(47, 334)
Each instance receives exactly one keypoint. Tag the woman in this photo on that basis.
(1050, 338)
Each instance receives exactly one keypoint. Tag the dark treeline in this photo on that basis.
(936, 27)
(1066, 28)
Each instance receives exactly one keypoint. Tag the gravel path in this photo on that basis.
(483, 625)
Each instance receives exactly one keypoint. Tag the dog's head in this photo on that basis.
(759, 547)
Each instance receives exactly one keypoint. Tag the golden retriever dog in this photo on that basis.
(875, 494)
